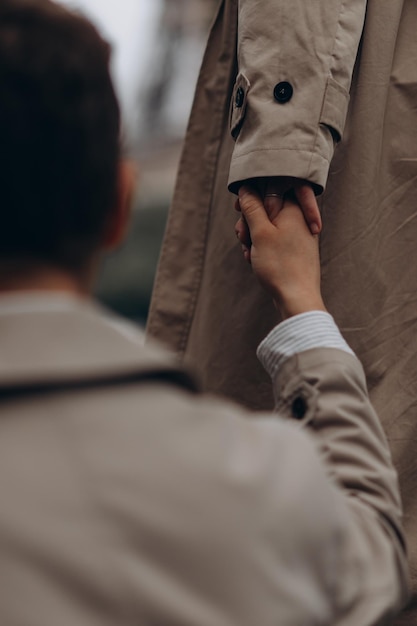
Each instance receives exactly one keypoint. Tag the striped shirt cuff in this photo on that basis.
(315, 329)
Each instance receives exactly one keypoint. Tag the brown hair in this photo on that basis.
(59, 134)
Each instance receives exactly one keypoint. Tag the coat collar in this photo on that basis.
(53, 341)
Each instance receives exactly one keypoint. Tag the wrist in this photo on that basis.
(298, 304)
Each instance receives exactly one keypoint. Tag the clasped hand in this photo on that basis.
(282, 250)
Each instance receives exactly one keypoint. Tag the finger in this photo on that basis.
(292, 216)
(252, 209)
(273, 205)
(242, 233)
(273, 199)
(247, 255)
(308, 203)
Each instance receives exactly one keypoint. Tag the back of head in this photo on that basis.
(59, 135)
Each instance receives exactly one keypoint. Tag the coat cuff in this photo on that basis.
(315, 329)
(284, 148)
(267, 162)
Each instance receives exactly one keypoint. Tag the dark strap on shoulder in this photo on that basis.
(178, 378)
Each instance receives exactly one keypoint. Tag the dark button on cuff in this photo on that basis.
(299, 408)
(283, 92)
(240, 98)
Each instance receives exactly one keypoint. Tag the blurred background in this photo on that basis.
(157, 51)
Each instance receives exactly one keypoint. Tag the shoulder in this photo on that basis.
(220, 495)
(223, 464)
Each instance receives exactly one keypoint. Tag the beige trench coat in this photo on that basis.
(128, 497)
(350, 128)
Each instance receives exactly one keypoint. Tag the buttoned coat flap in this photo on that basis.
(239, 104)
(335, 106)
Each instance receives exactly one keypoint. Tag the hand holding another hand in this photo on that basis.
(273, 189)
(284, 253)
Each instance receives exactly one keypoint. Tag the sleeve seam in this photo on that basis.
(314, 154)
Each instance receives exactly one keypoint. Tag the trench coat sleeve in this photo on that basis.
(326, 390)
(228, 518)
(289, 105)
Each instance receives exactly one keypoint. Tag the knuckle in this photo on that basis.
(249, 202)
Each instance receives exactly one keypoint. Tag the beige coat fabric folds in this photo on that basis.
(350, 128)
(128, 497)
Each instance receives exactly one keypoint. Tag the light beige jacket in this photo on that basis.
(127, 497)
(351, 127)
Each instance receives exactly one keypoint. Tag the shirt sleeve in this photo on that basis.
(291, 96)
(315, 329)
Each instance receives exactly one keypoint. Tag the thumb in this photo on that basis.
(252, 208)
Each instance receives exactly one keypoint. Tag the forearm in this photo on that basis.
(324, 389)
